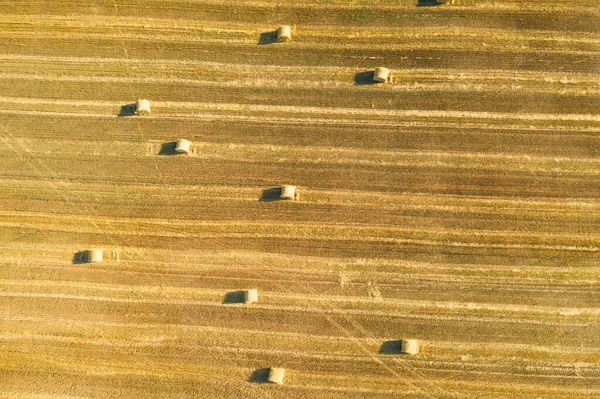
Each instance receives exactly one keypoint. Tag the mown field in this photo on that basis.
(458, 205)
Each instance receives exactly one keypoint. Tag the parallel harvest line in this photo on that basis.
(166, 291)
(284, 83)
(296, 121)
(372, 239)
(178, 25)
(323, 156)
(418, 200)
(94, 61)
(252, 43)
(560, 371)
(551, 279)
(475, 6)
(313, 110)
(300, 309)
(327, 277)
(148, 329)
(312, 229)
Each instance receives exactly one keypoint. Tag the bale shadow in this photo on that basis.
(391, 347)
(168, 148)
(234, 297)
(127, 110)
(81, 257)
(267, 38)
(365, 78)
(260, 376)
(428, 3)
(271, 194)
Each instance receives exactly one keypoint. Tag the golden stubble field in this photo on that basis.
(458, 205)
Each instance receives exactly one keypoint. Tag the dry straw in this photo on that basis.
(409, 346)
(94, 255)
(381, 74)
(276, 375)
(183, 146)
(251, 296)
(142, 107)
(288, 192)
(284, 33)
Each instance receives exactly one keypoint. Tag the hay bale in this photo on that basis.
(94, 255)
(276, 375)
(381, 74)
(251, 296)
(183, 146)
(409, 346)
(142, 107)
(288, 192)
(284, 33)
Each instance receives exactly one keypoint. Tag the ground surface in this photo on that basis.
(458, 205)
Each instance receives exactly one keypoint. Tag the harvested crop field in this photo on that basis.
(458, 204)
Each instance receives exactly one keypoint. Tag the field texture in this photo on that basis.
(458, 205)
